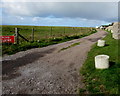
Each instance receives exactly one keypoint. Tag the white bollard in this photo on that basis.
(101, 43)
(108, 29)
(111, 31)
(101, 61)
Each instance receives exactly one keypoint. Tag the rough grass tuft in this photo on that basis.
(75, 44)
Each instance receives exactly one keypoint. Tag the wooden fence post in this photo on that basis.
(16, 36)
(51, 31)
(33, 34)
(64, 30)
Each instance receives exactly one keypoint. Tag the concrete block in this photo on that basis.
(101, 61)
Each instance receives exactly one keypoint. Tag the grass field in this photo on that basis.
(103, 81)
(44, 34)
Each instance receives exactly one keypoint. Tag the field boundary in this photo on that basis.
(13, 48)
(37, 33)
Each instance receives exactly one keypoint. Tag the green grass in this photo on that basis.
(103, 81)
(75, 44)
(14, 48)
(43, 34)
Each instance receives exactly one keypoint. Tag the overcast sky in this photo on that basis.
(85, 14)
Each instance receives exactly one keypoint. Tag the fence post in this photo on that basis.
(33, 34)
(64, 30)
(16, 36)
(51, 31)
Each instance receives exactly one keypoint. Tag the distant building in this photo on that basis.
(102, 27)
(105, 26)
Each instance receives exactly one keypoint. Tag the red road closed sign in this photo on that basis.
(7, 39)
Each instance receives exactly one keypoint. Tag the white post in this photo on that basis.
(101, 43)
(102, 61)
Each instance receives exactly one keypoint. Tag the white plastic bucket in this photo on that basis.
(101, 43)
(101, 61)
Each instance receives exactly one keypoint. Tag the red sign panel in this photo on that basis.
(7, 39)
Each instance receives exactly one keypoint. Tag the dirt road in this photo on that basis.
(47, 70)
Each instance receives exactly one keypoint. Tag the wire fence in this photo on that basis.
(44, 32)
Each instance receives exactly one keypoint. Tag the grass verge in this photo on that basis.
(75, 44)
(103, 81)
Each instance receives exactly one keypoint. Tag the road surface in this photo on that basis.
(47, 70)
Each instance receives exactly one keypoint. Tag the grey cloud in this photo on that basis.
(90, 10)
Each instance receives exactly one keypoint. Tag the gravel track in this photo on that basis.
(47, 70)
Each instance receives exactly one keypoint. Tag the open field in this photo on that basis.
(44, 35)
(43, 32)
(103, 81)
